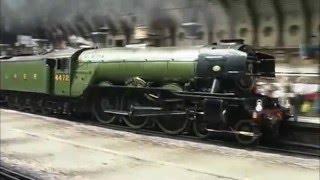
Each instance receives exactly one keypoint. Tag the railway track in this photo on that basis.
(293, 148)
(280, 147)
(10, 174)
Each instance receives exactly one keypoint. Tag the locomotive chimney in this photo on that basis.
(59, 41)
(100, 38)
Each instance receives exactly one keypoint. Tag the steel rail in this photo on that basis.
(296, 148)
(6, 173)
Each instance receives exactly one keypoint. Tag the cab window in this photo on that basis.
(63, 65)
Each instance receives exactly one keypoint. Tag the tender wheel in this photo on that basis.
(26, 104)
(33, 105)
(133, 122)
(172, 124)
(11, 102)
(16, 104)
(248, 127)
(20, 103)
(32, 109)
(105, 103)
(44, 107)
(199, 129)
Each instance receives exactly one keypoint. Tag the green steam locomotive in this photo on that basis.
(193, 89)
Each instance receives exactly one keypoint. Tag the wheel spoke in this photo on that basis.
(133, 122)
(199, 129)
(247, 126)
(105, 103)
(172, 124)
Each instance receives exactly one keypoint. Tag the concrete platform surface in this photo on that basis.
(51, 148)
(306, 119)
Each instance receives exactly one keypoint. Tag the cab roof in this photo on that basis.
(66, 53)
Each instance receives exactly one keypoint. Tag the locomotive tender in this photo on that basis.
(200, 89)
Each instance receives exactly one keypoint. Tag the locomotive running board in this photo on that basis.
(149, 114)
(132, 109)
(162, 113)
(245, 133)
(117, 112)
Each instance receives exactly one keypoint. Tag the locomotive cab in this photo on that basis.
(60, 64)
(62, 76)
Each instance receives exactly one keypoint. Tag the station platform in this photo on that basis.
(51, 148)
(310, 70)
(305, 119)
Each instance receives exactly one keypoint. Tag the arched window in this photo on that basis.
(221, 34)
(243, 32)
(267, 31)
(181, 36)
(294, 30)
(200, 35)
